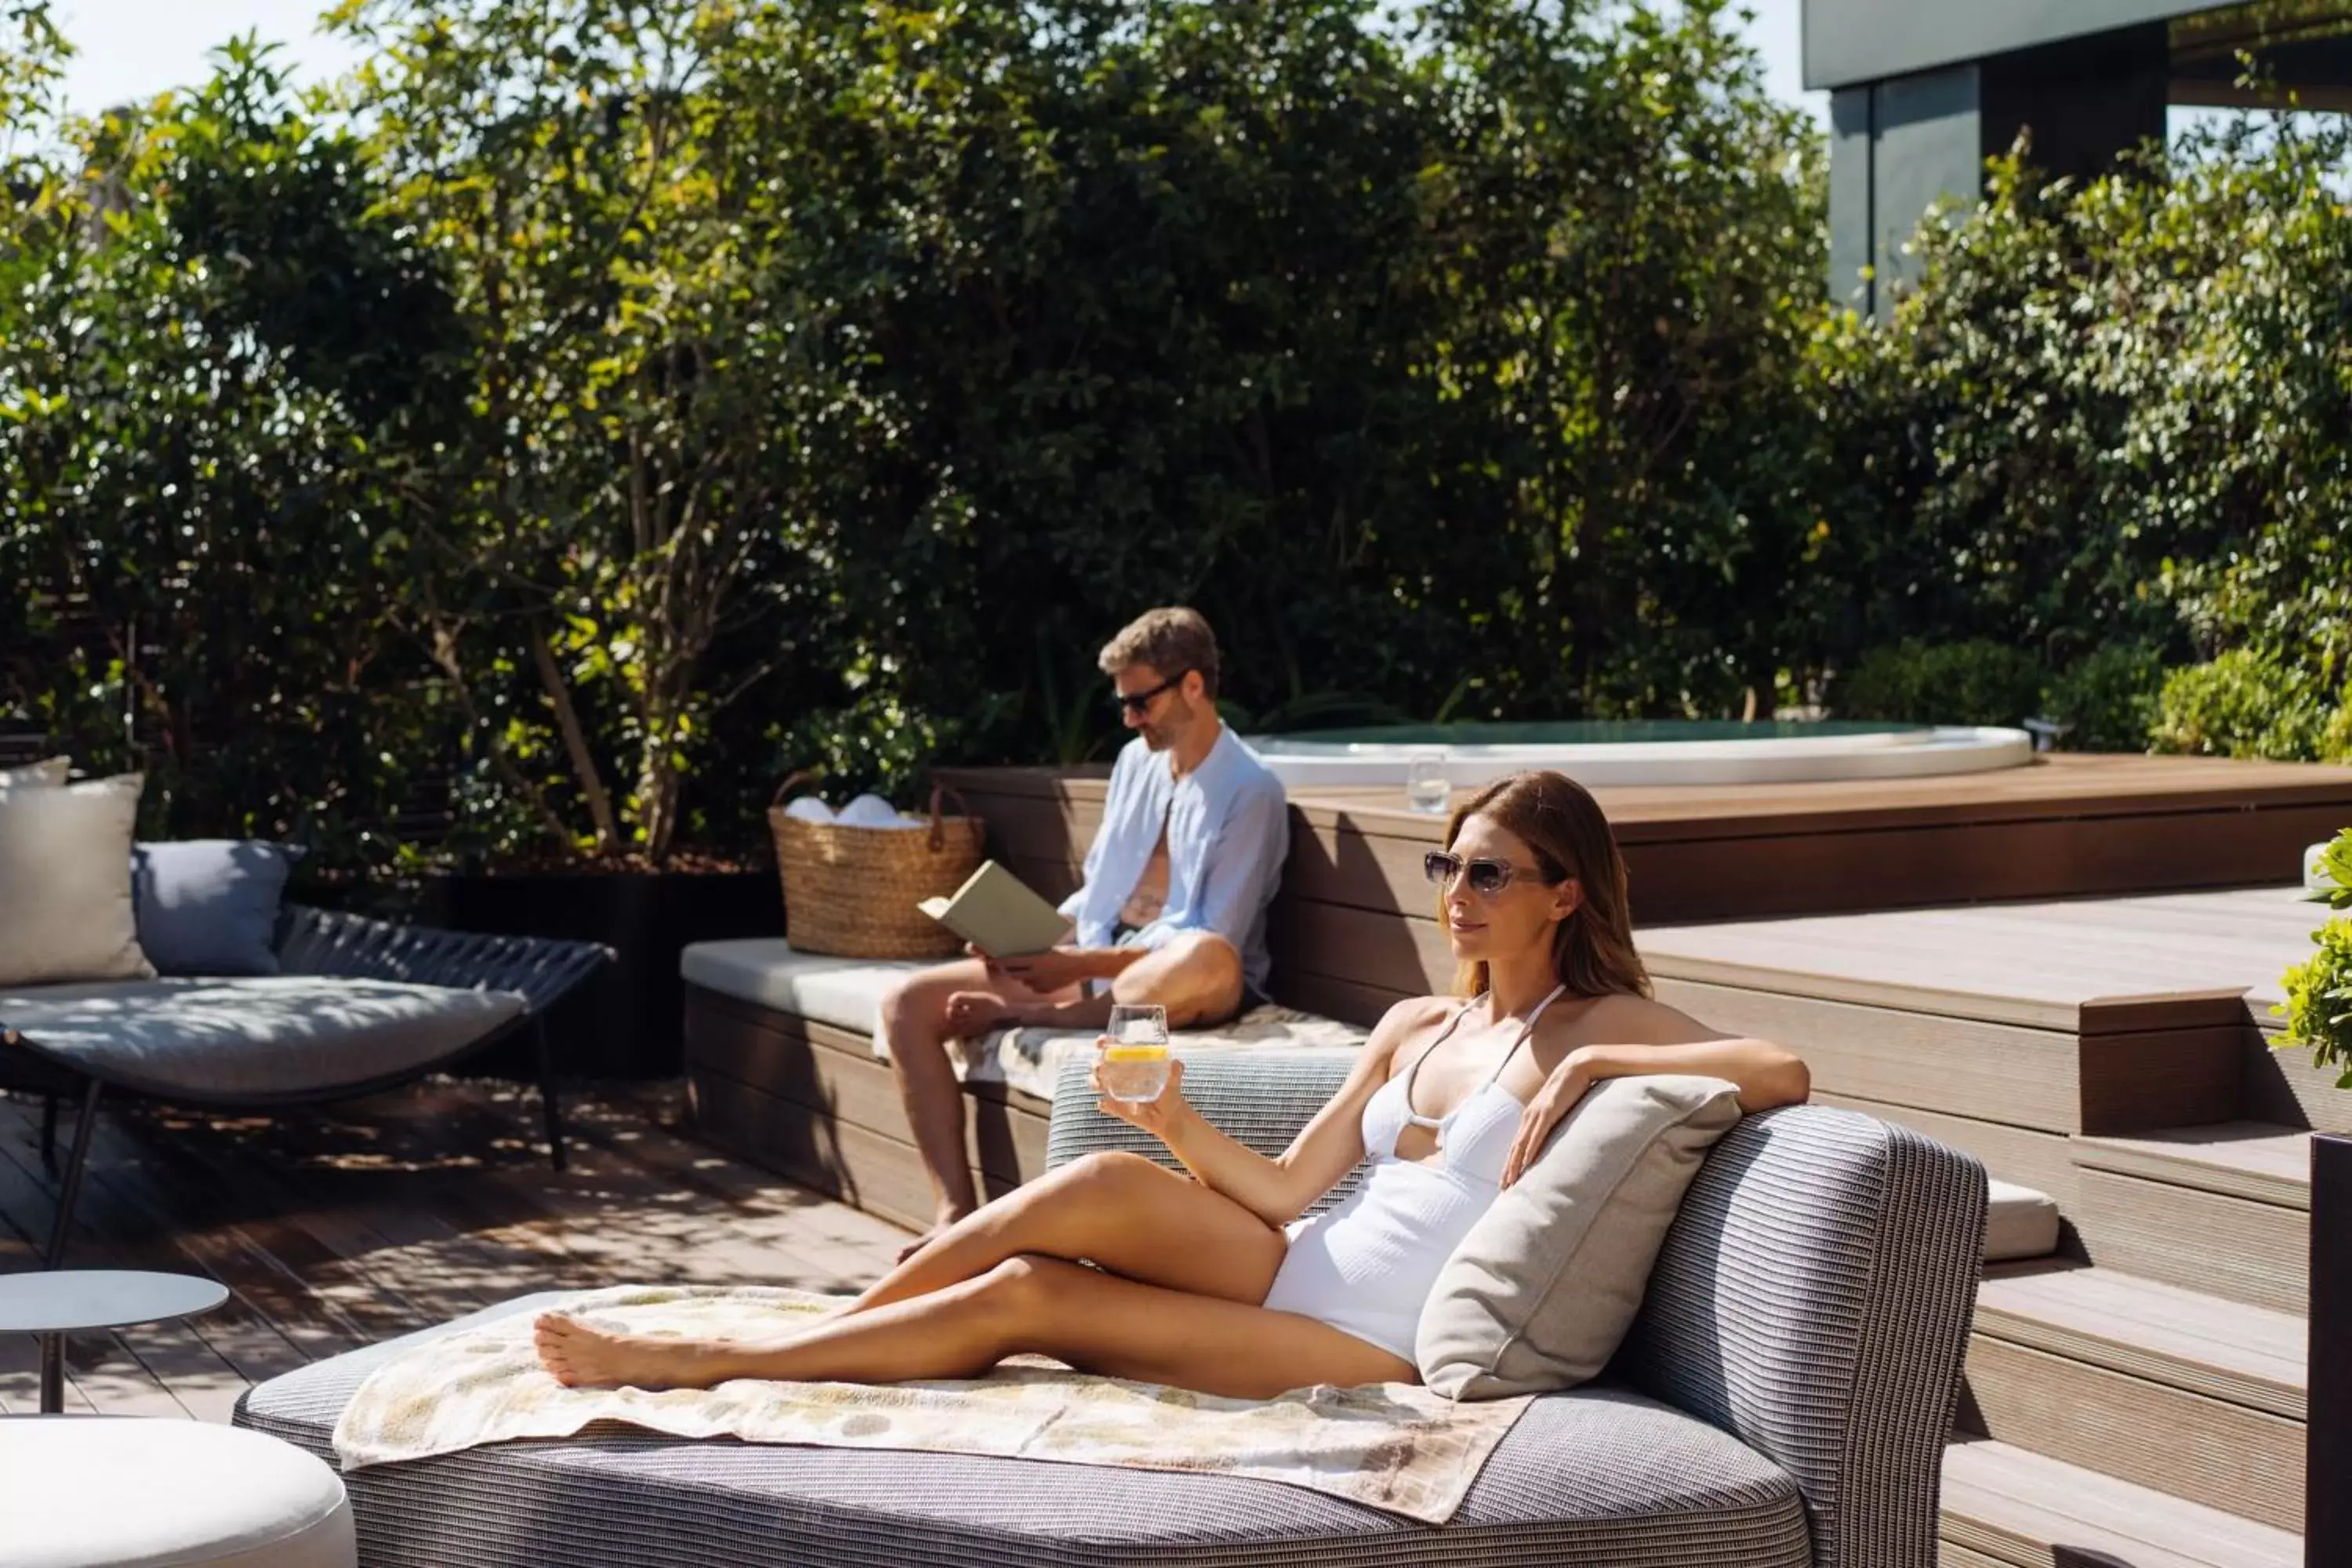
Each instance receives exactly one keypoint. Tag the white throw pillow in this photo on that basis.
(46, 774)
(64, 884)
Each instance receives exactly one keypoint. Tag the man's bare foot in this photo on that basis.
(945, 1223)
(578, 1356)
(970, 1013)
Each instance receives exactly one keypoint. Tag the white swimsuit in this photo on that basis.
(1366, 1267)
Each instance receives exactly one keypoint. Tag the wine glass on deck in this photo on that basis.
(1426, 788)
(1134, 1066)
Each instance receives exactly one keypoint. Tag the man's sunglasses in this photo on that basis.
(1135, 702)
(1486, 878)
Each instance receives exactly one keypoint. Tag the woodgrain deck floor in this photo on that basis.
(339, 1229)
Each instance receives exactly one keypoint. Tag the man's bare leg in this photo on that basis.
(920, 1016)
(1197, 977)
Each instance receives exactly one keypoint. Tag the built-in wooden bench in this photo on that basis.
(784, 1067)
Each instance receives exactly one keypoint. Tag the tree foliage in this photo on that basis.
(192, 525)
(596, 404)
(2122, 412)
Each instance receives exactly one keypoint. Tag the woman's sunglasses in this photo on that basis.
(1485, 877)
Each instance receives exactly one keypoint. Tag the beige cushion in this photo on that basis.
(848, 993)
(1538, 1294)
(843, 992)
(48, 772)
(2019, 1223)
(64, 884)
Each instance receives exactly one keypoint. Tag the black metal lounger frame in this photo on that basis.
(542, 970)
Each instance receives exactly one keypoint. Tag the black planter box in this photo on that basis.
(2327, 1511)
(625, 1023)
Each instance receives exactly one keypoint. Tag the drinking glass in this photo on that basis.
(1426, 788)
(1135, 1054)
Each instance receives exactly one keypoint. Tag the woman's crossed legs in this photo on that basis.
(1176, 1300)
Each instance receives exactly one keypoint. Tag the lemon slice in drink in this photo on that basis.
(1134, 1053)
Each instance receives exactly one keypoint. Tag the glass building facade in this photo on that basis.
(1923, 92)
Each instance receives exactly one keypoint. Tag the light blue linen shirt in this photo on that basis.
(1228, 834)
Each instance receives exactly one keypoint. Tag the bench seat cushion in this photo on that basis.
(1597, 1476)
(845, 993)
(254, 1037)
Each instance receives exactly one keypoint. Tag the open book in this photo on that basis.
(996, 912)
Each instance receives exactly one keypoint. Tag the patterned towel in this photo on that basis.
(1390, 1445)
(1031, 1059)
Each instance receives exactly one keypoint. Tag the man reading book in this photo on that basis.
(1172, 910)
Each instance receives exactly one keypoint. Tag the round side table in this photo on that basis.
(62, 1301)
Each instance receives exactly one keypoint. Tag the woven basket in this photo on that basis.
(851, 893)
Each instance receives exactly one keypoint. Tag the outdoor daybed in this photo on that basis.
(1782, 1402)
(357, 1005)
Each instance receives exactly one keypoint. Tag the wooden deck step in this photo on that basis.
(2258, 1161)
(2006, 1508)
(2217, 1208)
(2104, 1065)
(2083, 1364)
(2147, 1328)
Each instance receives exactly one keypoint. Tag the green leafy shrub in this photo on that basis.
(2245, 703)
(567, 451)
(2117, 409)
(1973, 682)
(2318, 1004)
(2109, 699)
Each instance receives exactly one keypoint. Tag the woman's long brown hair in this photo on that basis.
(1592, 952)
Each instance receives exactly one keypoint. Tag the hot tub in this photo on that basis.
(1644, 752)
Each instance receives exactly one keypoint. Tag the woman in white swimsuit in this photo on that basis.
(1212, 1282)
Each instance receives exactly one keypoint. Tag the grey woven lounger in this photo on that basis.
(1782, 1403)
(358, 1006)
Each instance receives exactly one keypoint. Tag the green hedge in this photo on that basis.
(2117, 413)
(2247, 704)
(1974, 683)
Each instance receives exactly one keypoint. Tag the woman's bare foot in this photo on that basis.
(578, 1356)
